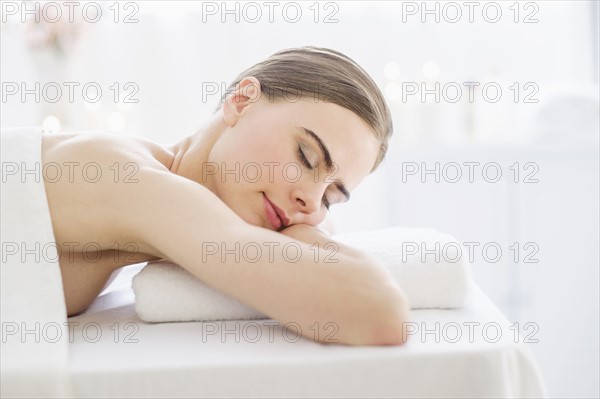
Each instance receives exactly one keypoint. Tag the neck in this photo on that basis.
(191, 154)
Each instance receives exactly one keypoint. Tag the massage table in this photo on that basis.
(112, 353)
(108, 351)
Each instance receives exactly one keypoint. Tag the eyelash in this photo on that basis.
(306, 163)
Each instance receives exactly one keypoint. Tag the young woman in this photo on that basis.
(294, 135)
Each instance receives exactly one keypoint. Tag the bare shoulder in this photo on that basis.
(110, 185)
(103, 148)
(89, 178)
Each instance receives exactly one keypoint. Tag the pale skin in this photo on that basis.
(167, 201)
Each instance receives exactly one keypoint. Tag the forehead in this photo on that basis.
(350, 140)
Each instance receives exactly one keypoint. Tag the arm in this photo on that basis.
(184, 222)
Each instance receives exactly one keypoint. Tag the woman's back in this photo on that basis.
(83, 175)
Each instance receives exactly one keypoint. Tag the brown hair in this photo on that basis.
(326, 75)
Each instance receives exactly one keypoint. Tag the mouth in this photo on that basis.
(274, 214)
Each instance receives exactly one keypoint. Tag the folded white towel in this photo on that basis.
(431, 268)
(34, 347)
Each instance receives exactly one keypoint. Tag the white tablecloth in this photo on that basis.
(114, 354)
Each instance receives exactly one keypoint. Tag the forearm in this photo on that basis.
(321, 236)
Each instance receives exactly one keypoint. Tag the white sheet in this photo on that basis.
(34, 342)
(184, 360)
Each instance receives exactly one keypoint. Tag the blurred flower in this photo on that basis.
(59, 36)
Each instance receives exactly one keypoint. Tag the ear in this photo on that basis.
(247, 92)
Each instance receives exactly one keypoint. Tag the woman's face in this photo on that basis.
(282, 163)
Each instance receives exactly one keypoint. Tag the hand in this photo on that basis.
(308, 234)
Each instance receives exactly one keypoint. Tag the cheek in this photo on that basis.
(261, 162)
(273, 163)
(259, 149)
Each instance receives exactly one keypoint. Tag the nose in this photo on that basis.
(308, 199)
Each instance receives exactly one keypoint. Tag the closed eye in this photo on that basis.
(307, 164)
(303, 159)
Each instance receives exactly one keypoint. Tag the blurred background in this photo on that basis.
(495, 106)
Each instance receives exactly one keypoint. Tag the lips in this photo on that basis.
(274, 214)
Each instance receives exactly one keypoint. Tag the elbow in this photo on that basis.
(390, 333)
(379, 313)
(390, 326)
(385, 323)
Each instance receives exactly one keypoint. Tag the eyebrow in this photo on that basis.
(328, 161)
